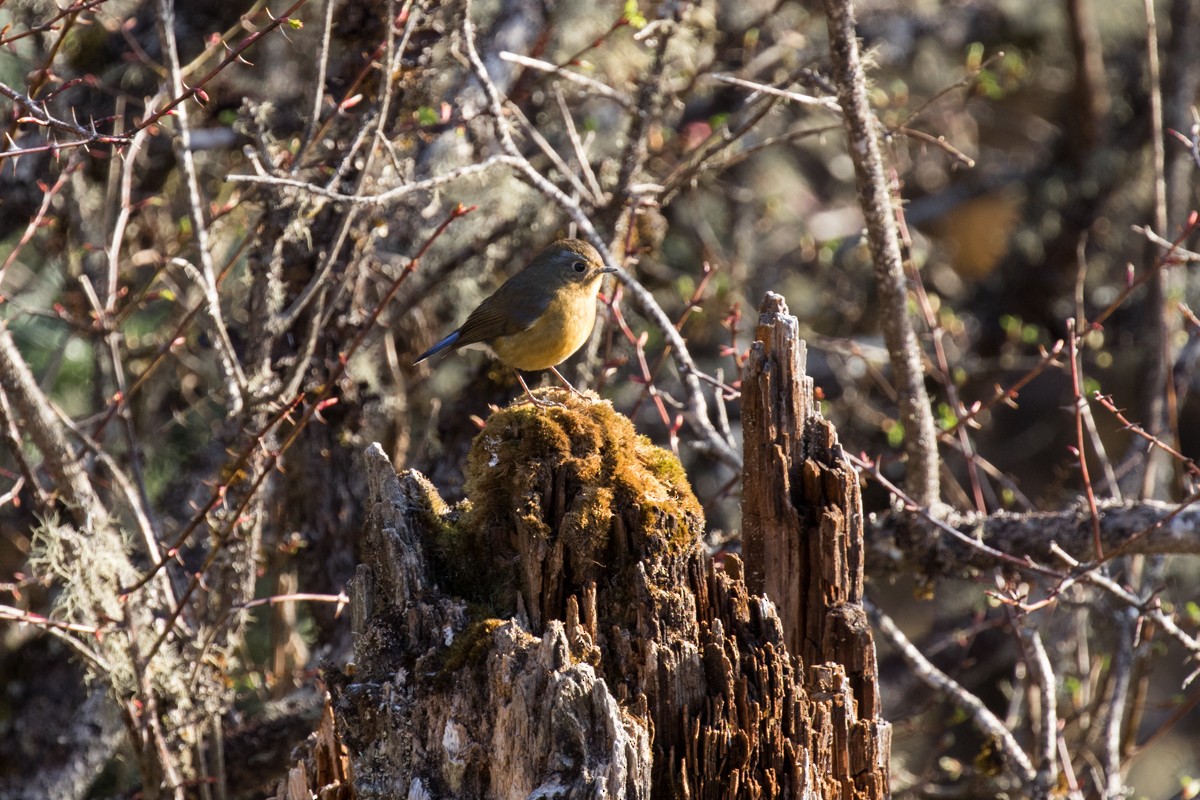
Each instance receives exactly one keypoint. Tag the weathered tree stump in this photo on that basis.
(563, 633)
(802, 519)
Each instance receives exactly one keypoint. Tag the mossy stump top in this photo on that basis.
(562, 500)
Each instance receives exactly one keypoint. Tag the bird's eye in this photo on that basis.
(579, 266)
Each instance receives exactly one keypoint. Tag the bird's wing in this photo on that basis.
(509, 310)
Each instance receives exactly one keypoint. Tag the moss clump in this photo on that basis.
(547, 483)
(469, 649)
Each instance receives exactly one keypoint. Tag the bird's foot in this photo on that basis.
(529, 398)
(568, 384)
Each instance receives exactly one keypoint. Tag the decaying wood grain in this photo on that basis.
(324, 772)
(803, 525)
(564, 634)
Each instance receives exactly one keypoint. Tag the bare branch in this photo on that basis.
(1042, 673)
(235, 386)
(1122, 671)
(943, 684)
(920, 437)
(577, 146)
(381, 199)
(1175, 253)
(1150, 607)
(825, 103)
(33, 408)
(1148, 527)
(36, 113)
(602, 89)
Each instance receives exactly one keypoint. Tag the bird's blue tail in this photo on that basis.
(437, 348)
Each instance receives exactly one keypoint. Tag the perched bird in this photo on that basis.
(539, 317)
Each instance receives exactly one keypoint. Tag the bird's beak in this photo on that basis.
(608, 270)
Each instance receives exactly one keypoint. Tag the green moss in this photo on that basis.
(549, 483)
(469, 649)
(430, 505)
(664, 465)
(464, 566)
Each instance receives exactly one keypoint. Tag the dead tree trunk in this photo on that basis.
(802, 519)
(564, 634)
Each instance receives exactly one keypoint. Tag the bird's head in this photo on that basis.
(571, 262)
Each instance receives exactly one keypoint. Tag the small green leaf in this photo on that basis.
(974, 56)
(895, 434)
(632, 15)
(426, 116)
(946, 417)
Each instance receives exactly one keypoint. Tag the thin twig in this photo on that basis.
(1159, 413)
(1024, 564)
(825, 103)
(381, 199)
(602, 89)
(49, 25)
(310, 410)
(61, 630)
(938, 142)
(1107, 403)
(35, 221)
(965, 80)
(552, 154)
(1122, 672)
(235, 54)
(235, 381)
(319, 82)
(394, 53)
(32, 408)
(943, 684)
(1038, 665)
(577, 147)
(1177, 254)
(1150, 608)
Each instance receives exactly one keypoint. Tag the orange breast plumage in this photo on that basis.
(557, 334)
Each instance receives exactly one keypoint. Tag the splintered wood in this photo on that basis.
(323, 772)
(802, 535)
(565, 634)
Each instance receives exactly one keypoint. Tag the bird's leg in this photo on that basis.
(532, 399)
(565, 382)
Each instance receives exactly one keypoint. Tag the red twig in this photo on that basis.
(340, 599)
(234, 55)
(37, 620)
(37, 113)
(36, 221)
(49, 25)
(1002, 395)
(1025, 564)
(693, 304)
(1137, 430)
(647, 377)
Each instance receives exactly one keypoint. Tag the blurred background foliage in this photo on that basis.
(1019, 138)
